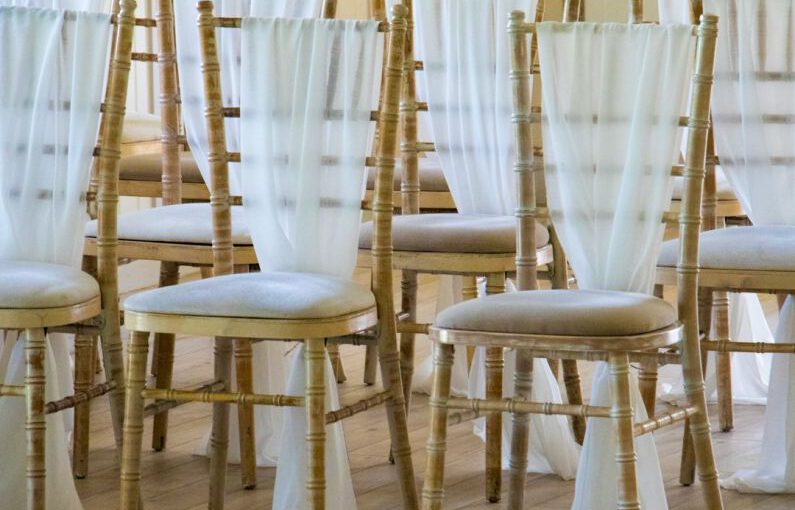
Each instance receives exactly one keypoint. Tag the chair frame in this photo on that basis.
(621, 349)
(98, 315)
(312, 333)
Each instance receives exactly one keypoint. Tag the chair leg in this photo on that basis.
(219, 438)
(469, 290)
(495, 284)
(137, 353)
(35, 426)
(647, 380)
(314, 357)
(370, 364)
(571, 378)
(83, 377)
(436, 446)
(389, 359)
(408, 285)
(336, 363)
(623, 419)
(163, 369)
(723, 366)
(523, 384)
(245, 414)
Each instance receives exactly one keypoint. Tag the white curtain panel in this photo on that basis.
(757, 156)
(608, 184)
(51, 67)
(265, 354)
(465, 49)
(750, 372)
(190, 74)
(304, 140)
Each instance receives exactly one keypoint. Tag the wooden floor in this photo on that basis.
(176, 480)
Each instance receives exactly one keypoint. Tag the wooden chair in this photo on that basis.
(474, 323)
(730, 259)
(375, 320)
(463, 245)
(68, 300)
(180, 234)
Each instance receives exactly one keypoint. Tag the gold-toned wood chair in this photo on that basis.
(367, 315)
(57, 298)
(539, 324)
(469, 246)
(751, 258)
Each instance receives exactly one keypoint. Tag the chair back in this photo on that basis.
(609, 161)
(229, 48)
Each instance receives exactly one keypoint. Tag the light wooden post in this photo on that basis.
(84, 377)
(436, 445)
(382, 257)
(723, 367)
(622, 415)
(35, 426)
(107, 200)
(219, 437)
(687, 267)
(137, 352)
(314, 356)
(495, 365)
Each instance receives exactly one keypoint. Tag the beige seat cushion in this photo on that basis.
(140, 127)
(769, 248)
(453, 233)
(723, 189)
(431, 177)
(39, 285)
(561, 312)
(258, 296)
(148, 167)
(181, 224)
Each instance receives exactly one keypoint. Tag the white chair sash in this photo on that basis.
(304, 141)
(49, 117)
(608, 184)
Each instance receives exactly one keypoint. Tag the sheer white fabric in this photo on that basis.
(304, 140)
(268, 420)
(756, 155)
(750, 372)
(465, 49)
(49, 117)
(190, 74)
(610, 230)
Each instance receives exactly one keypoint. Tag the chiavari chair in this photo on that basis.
(180, 234)
(746, 258)
(539, 323)
(53, 297)
(356, 316)
(467, 246)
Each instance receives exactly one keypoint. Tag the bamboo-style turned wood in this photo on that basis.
(79, 397)
(495, 284)
(83, 378)
(35, 353)
(259, 328)
(618, 349)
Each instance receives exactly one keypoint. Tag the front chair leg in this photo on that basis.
(495, 284)
(314, 357)
(35, 426)
(163, 360)
(408, 285)
(84, 377)
(622, 415)
(219, 438)
(134, 421)
(245, 414)
(436, 446)
(723, 366)
(523, 386)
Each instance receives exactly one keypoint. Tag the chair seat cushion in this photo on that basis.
(180, 224)
(453, 233)
(278, 295)
(770, 248)
(592, 313)
(141, 127)
(431, 177)
(723, 190)
(32, 285)
(148, 167)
